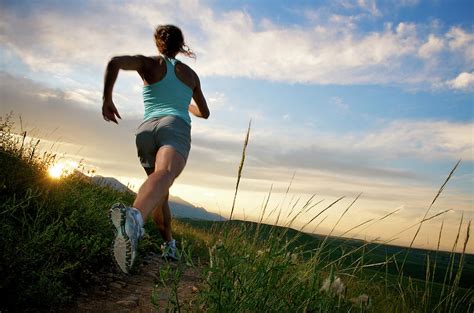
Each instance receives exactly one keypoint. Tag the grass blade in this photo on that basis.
(241, 166)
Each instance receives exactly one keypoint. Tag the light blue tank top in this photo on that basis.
(169, 96)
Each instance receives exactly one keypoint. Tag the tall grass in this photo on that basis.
(54, 235)
(254, 267)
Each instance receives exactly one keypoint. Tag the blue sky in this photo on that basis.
(450, 12)
(363, 96)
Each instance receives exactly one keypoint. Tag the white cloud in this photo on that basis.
(464, 81)
(84, 96)
(52, 41)
(458, 38)
(320, 55)
(217, 101)
(462, 41)
(46, 94)
(354, 154)
(404, 138)
(431, 47)
(232, 43)
(422, 139)
(370, 6)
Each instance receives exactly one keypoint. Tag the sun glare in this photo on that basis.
(62, 169)
(56, 171)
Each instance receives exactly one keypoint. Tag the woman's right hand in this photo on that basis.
(109, 111)
(126, 62)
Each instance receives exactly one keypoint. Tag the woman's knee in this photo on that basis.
(164, 175)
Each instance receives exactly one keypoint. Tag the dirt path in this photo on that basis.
(117, 292)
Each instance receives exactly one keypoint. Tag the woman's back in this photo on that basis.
(168, 88)
(155, 70)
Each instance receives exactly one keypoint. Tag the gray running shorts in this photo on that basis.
(155, 133)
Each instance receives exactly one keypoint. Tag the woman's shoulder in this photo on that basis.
(186, 69)
(155, 59)
(186, 74)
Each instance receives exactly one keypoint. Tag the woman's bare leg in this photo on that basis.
(154, 191)
(162, 218)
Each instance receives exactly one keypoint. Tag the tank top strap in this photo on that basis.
(170, 64)
(173, 61)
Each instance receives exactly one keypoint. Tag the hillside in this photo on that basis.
(334, 247)
(55, 256)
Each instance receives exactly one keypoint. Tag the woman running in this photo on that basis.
(163, 139)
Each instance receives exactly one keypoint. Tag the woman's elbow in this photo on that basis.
(113, 63)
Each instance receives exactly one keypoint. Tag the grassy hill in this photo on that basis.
(55, 236)
(334, 247)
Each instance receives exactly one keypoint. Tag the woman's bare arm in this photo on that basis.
(200, 108)
(130, 63)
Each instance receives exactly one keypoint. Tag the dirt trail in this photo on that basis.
(117, 292)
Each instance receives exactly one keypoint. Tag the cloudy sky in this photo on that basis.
(350, 97)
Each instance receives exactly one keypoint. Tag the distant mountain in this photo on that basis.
(178, 206)
(181, 208)
(110, 182)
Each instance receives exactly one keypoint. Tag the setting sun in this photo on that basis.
(62, 169)
(56, 171)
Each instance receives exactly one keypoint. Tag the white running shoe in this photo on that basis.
(170, 252)
(127, 233)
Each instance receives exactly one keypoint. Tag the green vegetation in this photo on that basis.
(258, 265)
(55, 236)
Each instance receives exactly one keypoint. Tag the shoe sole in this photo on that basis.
(122, 246)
